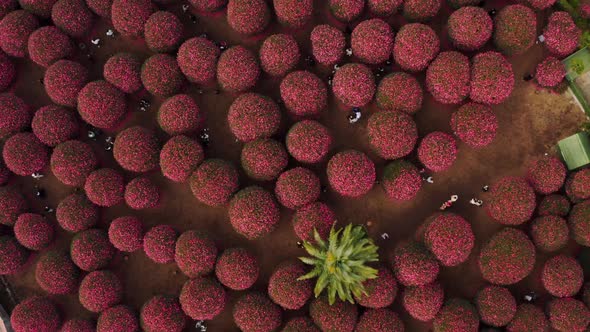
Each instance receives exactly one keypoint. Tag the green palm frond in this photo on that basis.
(340, 262)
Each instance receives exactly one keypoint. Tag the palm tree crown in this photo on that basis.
(340, 263)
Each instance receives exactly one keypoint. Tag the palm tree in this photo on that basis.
(340, 263)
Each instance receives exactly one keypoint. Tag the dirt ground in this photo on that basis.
(531, 122)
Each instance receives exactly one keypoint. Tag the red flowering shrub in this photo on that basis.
(437, 151)
(76, 213)
(377, 320)
(72, 161)
(293, 13)
(279, 54)
(401, 180)
(492, 78)
(399, 92)
(540, 4)
(341, 316)
(195, 254)
(77, 325)
(208, 5)
(159, 244)
(315, 216)
(237, 268)
(475, 124)
(252, 116)
(423, 302)
(24, 154)
(562, 276)
(354, 85)
(384, 8)
(579, 223)
(308, 141)
(12, 204)
(297, 187)
(248, 17)
(123, 70)
(346, 10)
(381, 291)
(100, 290)
(136, 149)
(105, 187)
(47, 45)
(300, 324)
(516, 29)
(63, 81)
(162, 314)
(55, 273)
(91, 249)
(421, 10)
(180, 114)
(129, 16)
(496, 305)
(392, 134)
(101, 8)
(41, 8)
(126, 233)
(351, 173)
(285, 290)
(73, 17)
(415, 46)
(16, 115)
(507, 257)
(561, 34)
(13, 256)
(141, 193)
(117, 318)
(304, 94)
(237, 69)
(546, 174)
(7, 69)
(549, 233)
(470, 28)
(161, 75)
(414, 265)
(255, 312)
(101, 104)
(568, 314)
(15, 29)
(450, 238)
(448, 76)
(33, 231)
(550, 72)
(372, 41)
(197, 59)
(253, 212)
(163, 31)
(557, 205)
(512, 201)
(264, 159)
(36, 313)
(577, 186)
(202, 298)
(214, 182)
(456, 315)
(179, 157)
(528, 317)
(327, 44)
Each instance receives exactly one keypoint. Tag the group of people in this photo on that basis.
(473, 201)
(454, 198)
